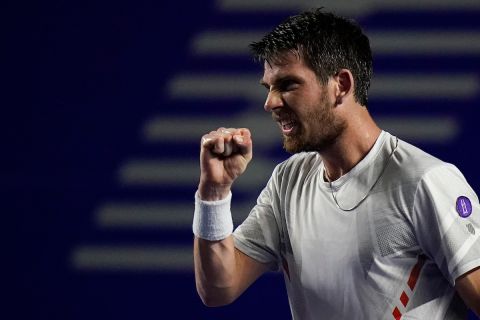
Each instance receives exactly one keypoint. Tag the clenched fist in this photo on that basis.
(224, 156)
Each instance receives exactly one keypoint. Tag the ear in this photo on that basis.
(344, 83)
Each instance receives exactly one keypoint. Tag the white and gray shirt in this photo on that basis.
(396, 255)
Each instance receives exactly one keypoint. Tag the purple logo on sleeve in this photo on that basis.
(464, 206)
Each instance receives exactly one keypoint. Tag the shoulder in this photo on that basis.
(420, 169)
(297, 169)
(413, 163)
(303, 162)
(408, 168)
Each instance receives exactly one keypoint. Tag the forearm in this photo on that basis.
(468, 286)
(215, 270)
(214, 250)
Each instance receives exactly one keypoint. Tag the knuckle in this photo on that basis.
(226, 131)
(245, 132)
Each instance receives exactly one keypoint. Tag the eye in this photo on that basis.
(288, 85)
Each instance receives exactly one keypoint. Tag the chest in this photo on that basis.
(326, 246)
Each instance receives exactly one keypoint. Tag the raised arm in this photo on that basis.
(222, 272)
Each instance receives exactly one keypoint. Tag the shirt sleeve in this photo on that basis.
(447, 221)
(258, 236)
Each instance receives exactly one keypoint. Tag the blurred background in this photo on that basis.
(105, 103)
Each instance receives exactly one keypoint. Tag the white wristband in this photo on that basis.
(212, 220)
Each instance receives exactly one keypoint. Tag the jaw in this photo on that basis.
(294, 140)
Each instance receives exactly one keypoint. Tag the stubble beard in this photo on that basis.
(324, 130)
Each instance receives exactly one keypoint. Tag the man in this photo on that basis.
(363, 225)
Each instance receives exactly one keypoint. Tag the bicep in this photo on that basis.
(468, 286)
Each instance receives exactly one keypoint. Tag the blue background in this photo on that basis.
(80, 81)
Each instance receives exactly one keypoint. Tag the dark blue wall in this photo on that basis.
(80, 78)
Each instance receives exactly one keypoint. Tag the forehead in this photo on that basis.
(287, 64)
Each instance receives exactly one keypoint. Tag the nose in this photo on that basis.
(274, 100)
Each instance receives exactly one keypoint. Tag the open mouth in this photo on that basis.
(288, 127)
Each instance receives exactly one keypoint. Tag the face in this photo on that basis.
(301, 105)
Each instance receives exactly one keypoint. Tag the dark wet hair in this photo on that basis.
(326, 42)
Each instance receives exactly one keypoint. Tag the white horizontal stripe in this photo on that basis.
(432, 129)
(424, 86)
(157, 215)
(231, 42)
(216, 86)
(154, 172)
(132, 258)
(144, 215)
(440, 130)
(392, 86)
(176, 129)
(186, 173)
(114, 258)
(425, 42)
(344, 7)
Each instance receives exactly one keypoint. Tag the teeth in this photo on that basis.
(287, 124)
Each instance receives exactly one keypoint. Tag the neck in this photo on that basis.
(350, 148)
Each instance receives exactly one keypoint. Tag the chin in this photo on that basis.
(294, 145)
(299, 144)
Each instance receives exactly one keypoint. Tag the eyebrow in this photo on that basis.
(281, 80)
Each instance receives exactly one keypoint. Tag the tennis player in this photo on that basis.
(362, 224)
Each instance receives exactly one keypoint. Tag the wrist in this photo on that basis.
(213, 192)
(212, 220)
